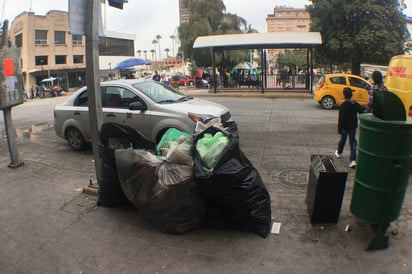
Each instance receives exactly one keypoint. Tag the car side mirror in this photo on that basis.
(137, 106)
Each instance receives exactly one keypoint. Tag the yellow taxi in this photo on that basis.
(329, 89)
(398, 80)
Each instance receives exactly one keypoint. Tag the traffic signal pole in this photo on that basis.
(93, 81)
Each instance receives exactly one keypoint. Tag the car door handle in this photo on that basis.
(110, 115)
(77, 113)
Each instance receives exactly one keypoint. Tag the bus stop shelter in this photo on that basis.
(260, 41)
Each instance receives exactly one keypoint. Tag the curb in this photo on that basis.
(203, 93)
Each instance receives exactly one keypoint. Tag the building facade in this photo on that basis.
(48, 50)
(287, 19)
(184, 12)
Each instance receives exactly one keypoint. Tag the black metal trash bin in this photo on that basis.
(325, 190)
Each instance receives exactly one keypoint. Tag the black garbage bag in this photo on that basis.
(112, 136)
(233, 186)
(165, 193)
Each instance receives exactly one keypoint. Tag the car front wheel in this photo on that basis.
(75, 138)
(327, 102)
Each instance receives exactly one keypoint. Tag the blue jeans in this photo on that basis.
(352, 142)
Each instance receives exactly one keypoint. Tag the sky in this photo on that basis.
(147, 19)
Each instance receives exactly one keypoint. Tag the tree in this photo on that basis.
(138, 52)
(167, 52)
(173, 44)
(158, 37)
(145, 54)
(291, 58)
(153, 52)
(154, 42)
(368, 31)
(208, 18)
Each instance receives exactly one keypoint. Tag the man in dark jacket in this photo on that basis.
(156, 76)
(347, 124)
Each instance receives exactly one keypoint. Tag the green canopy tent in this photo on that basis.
(245, 67)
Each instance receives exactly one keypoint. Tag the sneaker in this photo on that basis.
(337, 154)
(352, 164)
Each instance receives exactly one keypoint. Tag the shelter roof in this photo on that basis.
(267, 40)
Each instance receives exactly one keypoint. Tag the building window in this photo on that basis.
(116, 47)
(18, 40)
(59, 37)
(60, 59)
(77, 39)
(40, 37)
(77, 59)
(41, 60)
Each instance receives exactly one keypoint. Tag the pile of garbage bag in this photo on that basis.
(174, 183)
(232, 185)
(164, 191)
(113, 136)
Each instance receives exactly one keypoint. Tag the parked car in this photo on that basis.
(183, 80)
(399, 80)
(147, 106)
(329, 89)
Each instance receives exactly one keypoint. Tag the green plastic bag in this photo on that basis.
(210, 148)
(168, 139)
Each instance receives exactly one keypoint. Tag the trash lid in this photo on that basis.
(388, 106)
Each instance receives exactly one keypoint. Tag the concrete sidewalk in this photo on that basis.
(47, 225)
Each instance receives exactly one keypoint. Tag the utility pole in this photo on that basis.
(93, 84)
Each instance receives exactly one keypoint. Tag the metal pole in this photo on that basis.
(8, 123)
(11, 139)
(311, 71)
(307, 79)
(223, 71)
(184, 70)
(214, 70)
(262, 58)
(93, 85)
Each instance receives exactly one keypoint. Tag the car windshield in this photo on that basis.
(160, 93)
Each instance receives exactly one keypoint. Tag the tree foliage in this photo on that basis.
(292, 58)
(364, 31)
(208, 17)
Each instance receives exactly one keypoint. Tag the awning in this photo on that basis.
(259, 40)
(51, 79)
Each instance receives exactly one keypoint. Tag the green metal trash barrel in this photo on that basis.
(383, 167)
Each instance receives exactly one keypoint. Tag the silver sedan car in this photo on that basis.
(149, 107)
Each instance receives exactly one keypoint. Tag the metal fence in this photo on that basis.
(271, 81)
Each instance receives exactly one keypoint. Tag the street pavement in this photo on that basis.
(48, 225)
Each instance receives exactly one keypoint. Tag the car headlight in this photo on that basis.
(204, 118)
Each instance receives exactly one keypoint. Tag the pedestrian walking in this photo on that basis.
(41, 90)
(33, 92)
(164, 80)
(347, 125)
(377, 85)
(156, 77)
